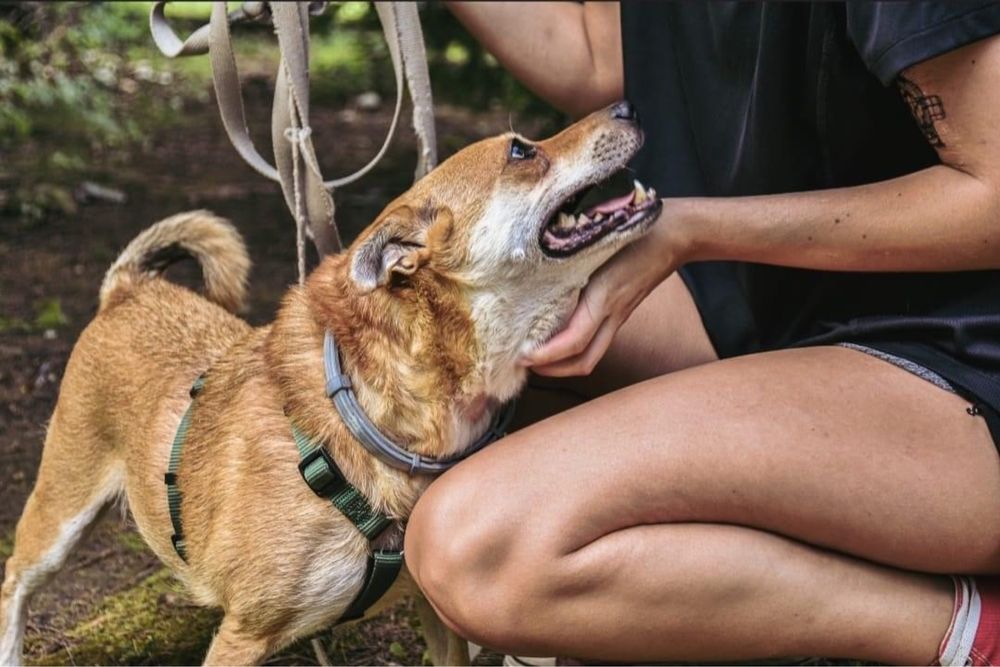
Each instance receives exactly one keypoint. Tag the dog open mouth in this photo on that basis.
(577, 225)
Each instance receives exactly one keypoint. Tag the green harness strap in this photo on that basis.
(170, 478)
(383, 568)
(322, 475)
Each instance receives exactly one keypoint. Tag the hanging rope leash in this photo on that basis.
(296, 168)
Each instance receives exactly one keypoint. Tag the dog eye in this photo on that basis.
(520, 150)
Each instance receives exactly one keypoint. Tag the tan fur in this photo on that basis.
(429, 319)
(212, 241)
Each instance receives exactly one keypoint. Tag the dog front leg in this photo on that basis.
(446, 647)
(234, 646)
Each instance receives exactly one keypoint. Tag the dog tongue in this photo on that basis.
(611, 205)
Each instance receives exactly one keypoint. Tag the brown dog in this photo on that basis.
(432, 306)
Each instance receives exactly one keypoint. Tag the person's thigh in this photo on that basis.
(827, 446)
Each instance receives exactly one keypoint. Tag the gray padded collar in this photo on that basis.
(338, 388)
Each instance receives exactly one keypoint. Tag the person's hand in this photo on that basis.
(606, 302)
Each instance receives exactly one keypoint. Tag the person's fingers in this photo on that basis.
(572, 340)
(585, 362)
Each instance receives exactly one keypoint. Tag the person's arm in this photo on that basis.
(568, 53)
(944, 218)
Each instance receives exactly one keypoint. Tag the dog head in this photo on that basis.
(505, 222)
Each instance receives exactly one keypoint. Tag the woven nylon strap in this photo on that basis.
(322, 475)
(306, 193)
(383, 568)
(170, 478)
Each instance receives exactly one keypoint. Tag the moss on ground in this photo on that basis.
(132, 541)
(6, 545)
(148, 624)
(152, 623)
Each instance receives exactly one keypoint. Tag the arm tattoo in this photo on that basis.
(925, 109)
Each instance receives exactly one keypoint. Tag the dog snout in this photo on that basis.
(624, 110)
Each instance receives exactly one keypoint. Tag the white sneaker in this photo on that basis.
(523, 660)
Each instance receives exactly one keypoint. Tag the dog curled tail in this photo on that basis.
(212, 241)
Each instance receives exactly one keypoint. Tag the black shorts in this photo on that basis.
(737, 325)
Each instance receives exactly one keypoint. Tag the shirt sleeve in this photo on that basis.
(891, 36)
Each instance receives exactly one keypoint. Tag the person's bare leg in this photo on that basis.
(564, 538)
(709, 592)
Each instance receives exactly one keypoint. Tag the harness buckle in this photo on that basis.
(321, 473)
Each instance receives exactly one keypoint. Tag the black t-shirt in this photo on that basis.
(762, 98)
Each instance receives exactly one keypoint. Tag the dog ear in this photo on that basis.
(395, 247)
(442, 242)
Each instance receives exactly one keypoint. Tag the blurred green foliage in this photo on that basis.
(48, 315)
(76, 68)
(71, 96)
(82, 84)
(62, 70)
(349, 52)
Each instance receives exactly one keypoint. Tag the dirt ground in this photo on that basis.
(193, 166)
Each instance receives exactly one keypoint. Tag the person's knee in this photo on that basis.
(468, 559)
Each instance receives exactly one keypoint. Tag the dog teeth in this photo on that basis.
(565, 222)
(652, 193)
(640, 192)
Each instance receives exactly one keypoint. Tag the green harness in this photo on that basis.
(322, 475)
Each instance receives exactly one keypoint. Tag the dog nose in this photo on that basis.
(624, 110)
